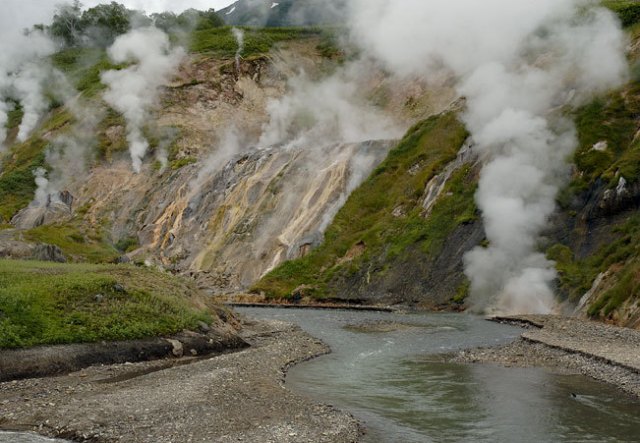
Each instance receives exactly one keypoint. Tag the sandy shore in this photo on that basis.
(228, 398)
(604, 352)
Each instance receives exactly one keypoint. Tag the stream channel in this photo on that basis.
(391, 375)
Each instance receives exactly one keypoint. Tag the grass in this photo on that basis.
(614, 120)
(622, 253)
(83, 67)
(367, 217)
(46, 303)
(221, 42)
(79, 240)
(627, 10)
(17, 182)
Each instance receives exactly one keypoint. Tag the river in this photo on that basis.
(392, 376)
(397, 383)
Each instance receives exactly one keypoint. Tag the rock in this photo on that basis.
(98, 297)
(118, 288)
(45, 252)
(203, 326)
(622, 187)
(178, 349)
(601, 146)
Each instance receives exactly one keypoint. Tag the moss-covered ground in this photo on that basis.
(46, 303)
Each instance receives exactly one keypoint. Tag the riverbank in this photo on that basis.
(606, 353)
(232, 397)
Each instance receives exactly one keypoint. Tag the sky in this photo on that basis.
(19, 14)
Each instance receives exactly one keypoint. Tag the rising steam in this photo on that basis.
(24, 71)
(134, 90)
(238, 34)
(521, 65)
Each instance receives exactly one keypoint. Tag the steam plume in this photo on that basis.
(134, 90)
(519, 64)
(24, 71)
(239, 36)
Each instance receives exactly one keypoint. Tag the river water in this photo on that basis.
(393, 378)
(396, 383)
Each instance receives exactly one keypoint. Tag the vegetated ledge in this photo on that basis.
(57, 318)
(44, 361)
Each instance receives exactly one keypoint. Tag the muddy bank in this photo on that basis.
(607, 353)
(45, 361)
(231, 397)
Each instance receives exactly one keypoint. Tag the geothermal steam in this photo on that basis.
(24, 71)
(238, 34)
(133, 91)
(520, 65)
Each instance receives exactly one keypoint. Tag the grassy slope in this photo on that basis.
(614, 119)
(367, 217)
(45, 303)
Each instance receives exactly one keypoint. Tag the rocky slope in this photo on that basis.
(226, 209)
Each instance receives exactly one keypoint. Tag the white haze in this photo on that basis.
(516, 62)
(24, 71)
(133, 91)
(329, 111)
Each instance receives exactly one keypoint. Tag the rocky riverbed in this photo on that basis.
(604, 352)
(233, 397)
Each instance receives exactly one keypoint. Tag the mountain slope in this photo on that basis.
(284, 13)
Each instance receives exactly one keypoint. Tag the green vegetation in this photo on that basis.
(46, 303)
(17, 182)
(367, 222)
(621, 254)
(111, 142)
(182, 162)
(611, 119)
(127, 244)
(78, 240)
(627, 10)
(221, 42)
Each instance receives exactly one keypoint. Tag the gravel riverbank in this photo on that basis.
(232, 397)
(604, 352)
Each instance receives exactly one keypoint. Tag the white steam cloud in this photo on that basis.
(326, 112)
(520, 64)
(24, 71)
(133, 91)
(238, 34)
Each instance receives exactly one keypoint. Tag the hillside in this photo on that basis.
(384, 246)
(269, 13)
(279, 163)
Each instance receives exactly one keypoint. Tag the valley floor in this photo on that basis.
(232, 397)
(607, 353)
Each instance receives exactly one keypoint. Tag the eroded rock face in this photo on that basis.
(232, 215)
(58, 206)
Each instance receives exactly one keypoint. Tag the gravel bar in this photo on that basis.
(604, 352)
(228, 398)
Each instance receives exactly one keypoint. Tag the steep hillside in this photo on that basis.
(384, 247)
(285, 13)
(225, 209)
(400, 236)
